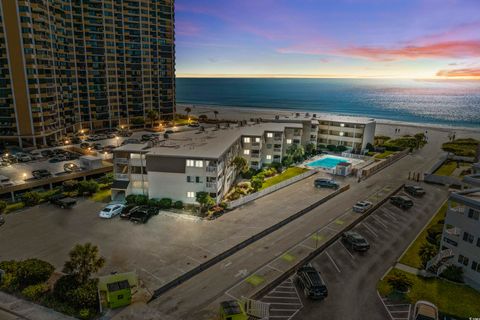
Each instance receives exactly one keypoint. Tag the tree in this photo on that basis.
(202, 117)
(87, 187)
(187, 111)
(310, 149)
(426, 253)
(205, 200)
(215, 114)
(3, 206)
(84, 260)
(370, 147)
(256, 182)
(31, 198)
(453, 273)
(421, 139)
(33, 271)
(399, 282)
(287, 160)
(240, 163)
(297, 152)
(152, 115)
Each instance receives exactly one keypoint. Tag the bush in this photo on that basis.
(287, 161)
(224, 205)
(153, 203)
(35, 292)
(33, 271)
(165, 203)
(85, 314)
(453, 273)
(3, 206)
(88, 187)
(70, 185)
(107, 179)
(15, 206)
(63, 286)
(269, 172)
(249, 173)
(370, 147)
(178, 204)
(433, 234)
(399, 281)
(31, 198)
(331, 147)
(321, 146)
(141, 200)
(256, 182)
(131, 199)
(277, 166)
(85, 296)
(233, 196)
(341, 148)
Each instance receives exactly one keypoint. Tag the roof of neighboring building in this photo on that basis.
(470, 197)
(472, 179)
(120, 184)
(211, 143)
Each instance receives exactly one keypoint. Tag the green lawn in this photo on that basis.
(453, 299)
(411, 257)
(462, 147)
(446, 169)
(102, 196)
(384, 155)
(287, 174)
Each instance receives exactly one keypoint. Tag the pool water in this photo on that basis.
(327, 162)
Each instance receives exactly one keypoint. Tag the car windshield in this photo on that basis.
(107, 209)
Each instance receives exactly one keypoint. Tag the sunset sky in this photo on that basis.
(328, 38)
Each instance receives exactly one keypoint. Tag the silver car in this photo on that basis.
(362, 206)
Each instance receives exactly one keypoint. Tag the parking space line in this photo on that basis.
(333, 262)
(153, 276)
(349, 253)
(273, 268)
(388, 214)
(305, 246)
(370, 229)
(380, 222)
(283, 298)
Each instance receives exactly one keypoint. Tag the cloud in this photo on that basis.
(186, 28)
(466, 72)
(447, 49)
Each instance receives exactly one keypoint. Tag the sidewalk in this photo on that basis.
(23, 309)
(415, 271)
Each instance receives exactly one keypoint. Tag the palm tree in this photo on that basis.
(188, 110)
(426, 253)
(84, 261)
(152, 115)
(240, 163)
(215, 113)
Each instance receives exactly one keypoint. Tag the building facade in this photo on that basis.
(70, 64)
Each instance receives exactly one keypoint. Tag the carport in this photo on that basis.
(119, 189)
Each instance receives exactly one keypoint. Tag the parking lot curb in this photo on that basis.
(291, 271)
(207, 264)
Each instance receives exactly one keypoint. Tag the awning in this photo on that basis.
(120, 184)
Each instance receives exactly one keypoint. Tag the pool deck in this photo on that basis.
(355, 162)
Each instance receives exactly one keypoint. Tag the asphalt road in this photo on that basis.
(351, 277)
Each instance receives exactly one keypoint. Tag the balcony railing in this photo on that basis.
(211, 168)
(121, 176)
(121, 160)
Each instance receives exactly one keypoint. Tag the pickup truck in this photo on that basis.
(63, 201)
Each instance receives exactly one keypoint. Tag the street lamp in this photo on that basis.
(117, 138)
(24, 176)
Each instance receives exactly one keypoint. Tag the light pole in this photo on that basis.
(117, 139)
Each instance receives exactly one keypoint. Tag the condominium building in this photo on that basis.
(190, 162)
(68, 65)
(460, 244)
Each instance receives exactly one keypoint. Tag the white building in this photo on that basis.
(460, 244)
(200, 161)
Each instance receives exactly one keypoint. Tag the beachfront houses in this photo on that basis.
(460, 244)
(182, 164)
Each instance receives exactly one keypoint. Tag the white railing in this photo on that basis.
(259, 194)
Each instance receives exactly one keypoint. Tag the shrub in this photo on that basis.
(35, 292)
(141, 200)
(131, 199)
(224, 205)
(88, 187)
(321, 146)
(399, 282)
(70, 185)
(341, 148)
(256, 182)
(426, 253)
(370, 147)
(14, 206)
(3, 206)
(31, 198)
(287, 161)
(233, 196)
(107, 179)
(165, 203)
(153, 203)
(178, 204)
(9, 283)
(85, 296)
(84, 313)
(33, 271)
(277, 166)
(453, 273)
(433, 234)
(63, 286)
(249, 173)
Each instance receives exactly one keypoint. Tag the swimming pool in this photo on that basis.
(327, 162)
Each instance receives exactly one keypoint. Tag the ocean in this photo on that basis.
(440, 102)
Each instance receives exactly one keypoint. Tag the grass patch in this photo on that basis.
(255, 280)
(462, 147)
(384, 155)
(288, 257)
(457, 300)
(14, 207)
(446, 169)
(411, 257)
(102, 196)
(285, 175)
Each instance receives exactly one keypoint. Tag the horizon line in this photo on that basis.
(299, 76)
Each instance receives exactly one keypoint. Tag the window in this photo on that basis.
(269, 157)
(198, 179)
(269, 134)
(478, 242)
(190, 194)
(289, 141)
(468, 237)
(189, 179)
(190, 163)
(199, 164)
(475, 266)
(246, 152)
(257, 140)
(246, 140)
(473, 214)
(463, 260)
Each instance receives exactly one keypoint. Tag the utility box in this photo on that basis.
(116, 290)
(90, 162)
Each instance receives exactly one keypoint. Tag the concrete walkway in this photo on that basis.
(12, 307)
(415, 271)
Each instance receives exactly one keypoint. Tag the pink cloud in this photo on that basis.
(448, 49)
(187, 28)
(466, 72)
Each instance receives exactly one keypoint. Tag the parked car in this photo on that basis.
(42, 173)
(403, 202)
(10, 158)
(194, 125)
(97, 146)
(111, 135)
(102, 136)
(143, 214)
(310, 280)
(326, 183)
(36, 156)
(70, 167)
(84, 145)
(58, 158)
(425, 310)
(355, 241)
(362, 206)
(413, 190)
(131, 141)
(62, 201)
(46, 153)
(23, 157)
(111, 211)
(127, 211)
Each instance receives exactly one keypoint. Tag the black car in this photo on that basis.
(403, 202)
(415, 191)
(326, 183)
(310, 280)
(46, 153)
(355, 241)
(127, 211)
(62, 201)
(142, 214)
(42, 173)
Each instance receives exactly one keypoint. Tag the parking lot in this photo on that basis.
(351, 277)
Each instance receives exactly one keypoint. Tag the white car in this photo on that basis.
(362, 206)
(111, 211)
(425, 310)
(23, 157)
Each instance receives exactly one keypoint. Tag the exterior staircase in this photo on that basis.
(440, 262)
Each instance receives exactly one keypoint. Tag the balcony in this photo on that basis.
(121, 176)
(121, 160)
(211, 169)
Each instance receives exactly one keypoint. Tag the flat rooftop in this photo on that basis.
(323, 117)
(210, 144)
(470, 197)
